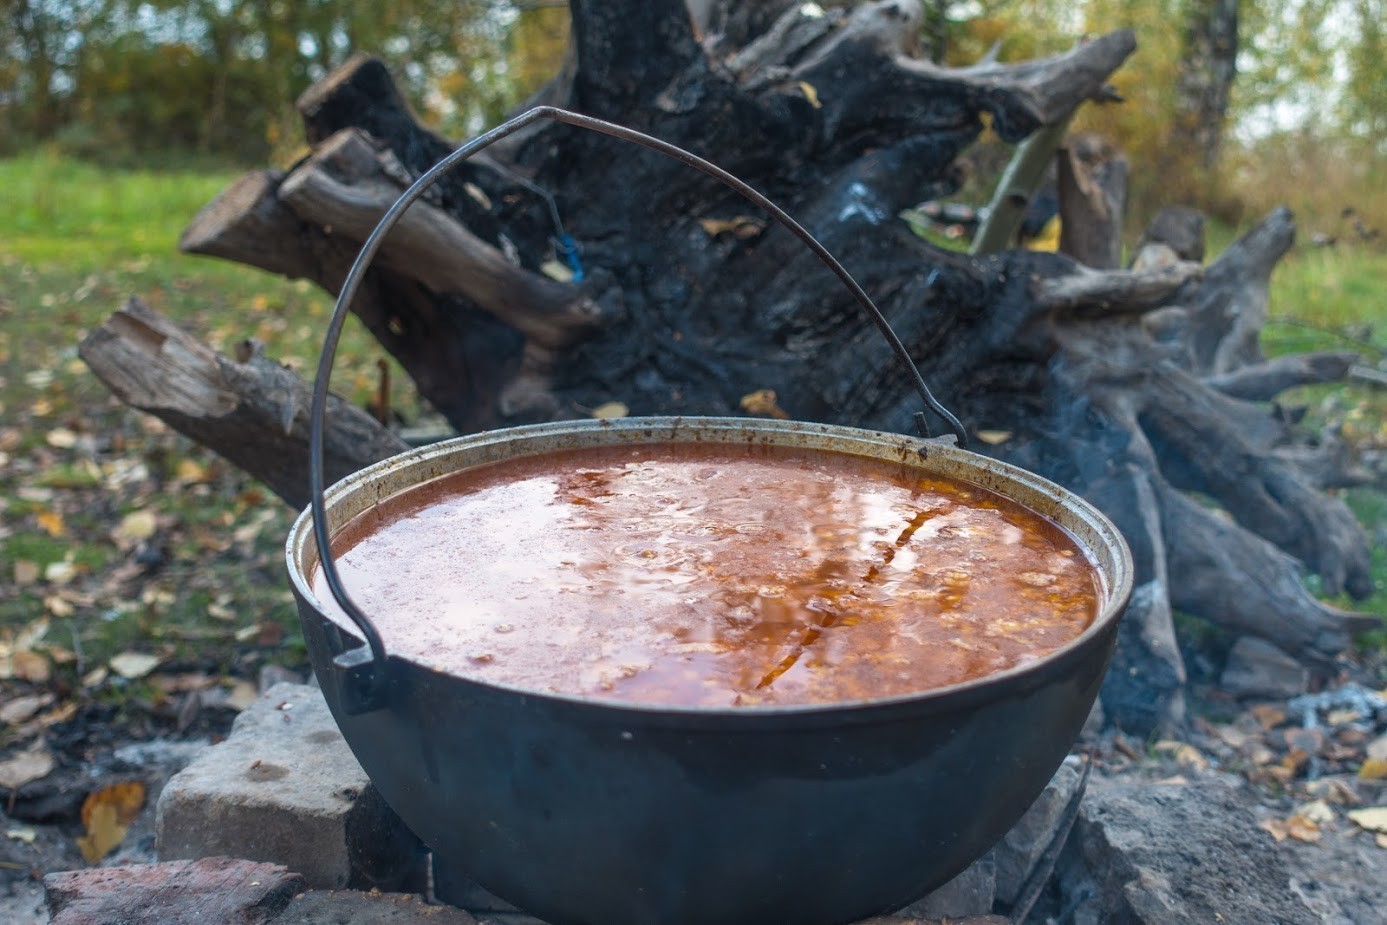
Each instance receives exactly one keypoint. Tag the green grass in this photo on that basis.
(80, 240)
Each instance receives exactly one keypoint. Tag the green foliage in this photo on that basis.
(120, 81)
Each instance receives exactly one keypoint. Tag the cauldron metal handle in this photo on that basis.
(364, 668)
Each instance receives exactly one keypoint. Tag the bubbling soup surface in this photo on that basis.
(712, 575)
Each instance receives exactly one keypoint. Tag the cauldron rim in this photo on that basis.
(1115, 578)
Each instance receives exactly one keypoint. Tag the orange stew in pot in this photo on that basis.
(712, 575)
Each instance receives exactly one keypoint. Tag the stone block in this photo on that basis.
(1020, 849)
(1147, 853)
(285, 788)
(971, 893)
(353, 907)
(174, 893)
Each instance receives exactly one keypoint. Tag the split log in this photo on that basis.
(1092, 181)
(251, 410)
(1124, 385)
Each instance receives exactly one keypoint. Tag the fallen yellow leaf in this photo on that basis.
(763, 403)
(740, 226)
(610, 411)
(810, 94)
(555, 270)
(1373, 769)
(190, 472)
(104, 833)
(1297, 827)
(125, 799)
(51, 522)
(107, 815)
(1374, 819)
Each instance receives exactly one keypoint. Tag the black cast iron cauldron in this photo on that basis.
(591, 812)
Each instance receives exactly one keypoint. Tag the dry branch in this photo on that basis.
(254, 413)
(1265, 381)
(343, 188)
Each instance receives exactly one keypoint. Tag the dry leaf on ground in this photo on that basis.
(1374, 819)
(1332, 790)
(30, 666)
(763, 403)
(34, 763)
(1269, 717)
(61, 438)
(23, 709)
(107, 814)
(132, 665)
(243, 694)
(134, 527)
(740, 226)
(1317, 811)
(610, 411)
(1297, 827)
(22, 834)
(1373, 769)
(51, 522)
(26, 572)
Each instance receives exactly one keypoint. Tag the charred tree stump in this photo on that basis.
(1126, 385)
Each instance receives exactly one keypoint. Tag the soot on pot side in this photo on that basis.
(696, 575)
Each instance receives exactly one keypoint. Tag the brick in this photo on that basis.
(285, 788)
(352, 907)
(172, 893)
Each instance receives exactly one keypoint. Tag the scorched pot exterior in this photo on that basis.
(590, 812)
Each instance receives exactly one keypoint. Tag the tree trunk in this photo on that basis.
(1208, 66)
(1121, 384)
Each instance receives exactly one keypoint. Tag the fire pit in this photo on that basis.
(588, 811)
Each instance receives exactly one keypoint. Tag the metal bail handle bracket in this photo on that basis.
(365, 669)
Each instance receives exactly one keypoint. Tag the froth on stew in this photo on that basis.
(713, 575)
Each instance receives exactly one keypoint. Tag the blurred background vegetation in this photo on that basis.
(1231, 105)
